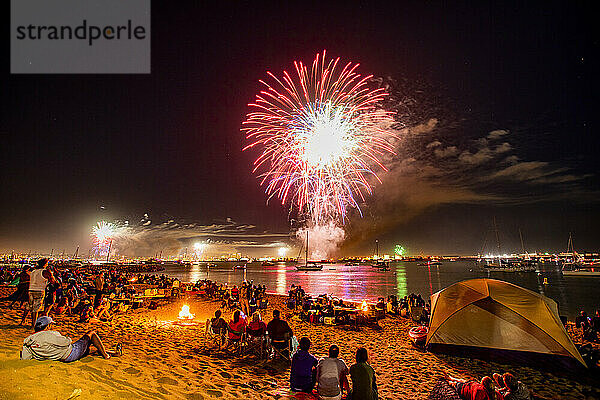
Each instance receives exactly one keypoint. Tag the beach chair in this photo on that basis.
(255, 343)
(211, 337)
(237, 343)
(282, 347)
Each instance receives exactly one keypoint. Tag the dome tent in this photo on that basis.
(488, 316)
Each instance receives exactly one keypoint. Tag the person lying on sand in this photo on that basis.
(510, 387)
(51, 345)
(473, 390)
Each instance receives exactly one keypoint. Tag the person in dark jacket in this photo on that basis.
(302, 372)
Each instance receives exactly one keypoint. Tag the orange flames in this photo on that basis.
(185, 313)
(364, 307)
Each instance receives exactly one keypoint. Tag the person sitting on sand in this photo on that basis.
(510, 387)
(364, 386)
(582, 321)
(332, 376)
(103, 312)
(473, 390)
(596, 322)
(51, 345)
(303, 370)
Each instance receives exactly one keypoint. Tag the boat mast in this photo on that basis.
(522, 246)
(497, 241)
(306, 261)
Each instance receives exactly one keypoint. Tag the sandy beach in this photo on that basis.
(163, 360)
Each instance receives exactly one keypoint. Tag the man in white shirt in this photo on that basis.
(37, 288)
(51, 345)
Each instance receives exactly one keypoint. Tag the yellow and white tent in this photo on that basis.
(498, 315)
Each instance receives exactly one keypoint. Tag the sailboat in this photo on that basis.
(308, 266)
(379, 263)
(579, 266)
(511, 264)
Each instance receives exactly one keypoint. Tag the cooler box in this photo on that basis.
(329, 321)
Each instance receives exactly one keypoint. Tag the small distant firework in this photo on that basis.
(399, 250)
(321, 134)
(102, 235)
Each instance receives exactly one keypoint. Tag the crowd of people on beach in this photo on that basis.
(92, 293)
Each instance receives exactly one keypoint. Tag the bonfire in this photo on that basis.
(364, 307)
(185, 314)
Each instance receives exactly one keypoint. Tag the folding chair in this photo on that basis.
(256, 342)
(211, 337)
(282, 347)
(238, 343)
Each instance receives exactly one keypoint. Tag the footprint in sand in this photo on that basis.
(132, 370)
(167, 381)
(214, 393)
(225, 375)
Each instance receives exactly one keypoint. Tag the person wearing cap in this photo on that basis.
(51, 345)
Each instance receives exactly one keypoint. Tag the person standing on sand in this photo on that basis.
(332, 376)
(244, 298)
(364, 386)
(99, 285)
(51, 345)
(37, 287)
(22, 293)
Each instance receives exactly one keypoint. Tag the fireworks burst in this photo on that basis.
(102, 234)
(322, 134)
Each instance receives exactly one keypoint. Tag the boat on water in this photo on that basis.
(510, 265)
(579, 268)
(429, 264)
(378, 263)
(575, 264)
(268, 264)
(308, 265)
(239, 267)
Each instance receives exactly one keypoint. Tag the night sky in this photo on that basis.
(496, 105)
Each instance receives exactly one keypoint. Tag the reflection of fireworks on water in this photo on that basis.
(322, 135)
(102, 235)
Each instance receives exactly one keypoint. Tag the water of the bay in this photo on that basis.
(363, 282)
